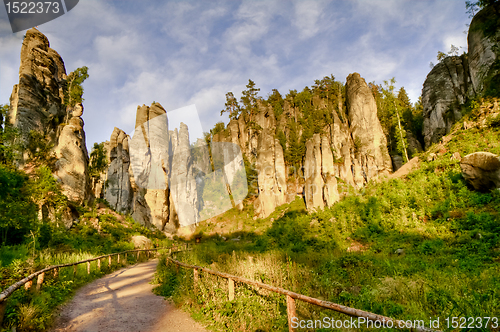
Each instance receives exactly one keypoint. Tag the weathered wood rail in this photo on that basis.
(28, 281)
(291, 297)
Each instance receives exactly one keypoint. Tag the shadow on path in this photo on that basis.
(123, 302)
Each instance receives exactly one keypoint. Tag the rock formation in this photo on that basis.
(353, 151)
(150, 164)
(72, 159)
(446, 87)
(37, 104)
(118, 190)
(481, 170)
(458, 78)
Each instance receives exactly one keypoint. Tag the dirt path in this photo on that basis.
(123, 302)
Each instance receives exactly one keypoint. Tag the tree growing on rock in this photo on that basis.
(73, 93)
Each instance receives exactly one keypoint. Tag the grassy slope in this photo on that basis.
(450, 236)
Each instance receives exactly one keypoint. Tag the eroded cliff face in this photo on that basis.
(118, 190)
(446, 88)
(354, 151)
(37, 104)
(351, 148)
(153, 175)
(71, 167)
(37, 101)
(456, 79)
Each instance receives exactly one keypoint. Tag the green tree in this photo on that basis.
(249, 98)
(98, 160)
(394, 112)
(276, 101)
(40, 150)
(232, 106)
(17, 211)
(9, 150)
(73, 92)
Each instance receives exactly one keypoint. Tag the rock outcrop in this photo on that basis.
(37, 104)
(72, 159)
(370, 143)
(118, 190)
(481, 170)
(150, 165)
(458, 78)
(484, 55)
(354, 151)
(446, 88)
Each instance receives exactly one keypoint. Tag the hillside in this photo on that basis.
(423, 245)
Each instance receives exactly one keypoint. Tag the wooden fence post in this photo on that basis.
(27, 286)
(56, 273)
(231, 289)
(126, 258)
(147, 254)
(118, 259)
(74, 270)
(39, 281)
(290, 311)
(88, 267)
(138, 255)
(109, 261)
(195, 279)
(99, 264)
(3, 306)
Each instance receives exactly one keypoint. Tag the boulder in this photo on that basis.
(481, 170)
(397, 162)
(141, 242)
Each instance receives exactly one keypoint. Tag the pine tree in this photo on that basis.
(232, 106)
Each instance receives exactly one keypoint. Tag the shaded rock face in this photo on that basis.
(446, 87)
(483, 37)
(270, 168)
(119, 189)
(457, 78)
(37, 103)
(481, 170)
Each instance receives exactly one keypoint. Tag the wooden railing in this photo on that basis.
(291, 297)
(40, 275)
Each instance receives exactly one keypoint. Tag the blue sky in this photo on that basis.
(180, 53)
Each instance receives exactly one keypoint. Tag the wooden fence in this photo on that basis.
(291, 297)
(40, 275)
